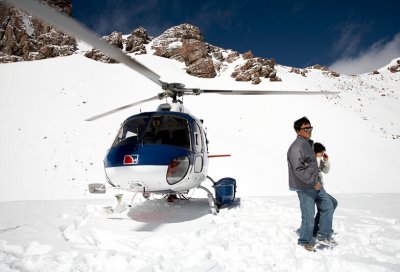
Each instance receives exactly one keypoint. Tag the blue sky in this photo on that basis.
(350, 36)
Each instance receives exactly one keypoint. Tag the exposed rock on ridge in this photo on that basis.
(23, 37)
(325, 70)
(395, 68)
(186, 43)
(134, 43)
(254, 68)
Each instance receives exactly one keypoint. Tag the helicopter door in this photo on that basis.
(199, 146)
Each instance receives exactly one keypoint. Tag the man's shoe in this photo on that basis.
(308, 247)
(330, 242)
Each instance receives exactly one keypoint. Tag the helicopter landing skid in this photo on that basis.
(211, 200)
(118, 206)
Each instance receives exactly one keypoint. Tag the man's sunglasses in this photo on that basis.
(307, 129)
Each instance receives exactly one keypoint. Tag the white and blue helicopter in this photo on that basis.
(163, 152)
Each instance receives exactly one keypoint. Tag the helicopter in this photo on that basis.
(163, 152)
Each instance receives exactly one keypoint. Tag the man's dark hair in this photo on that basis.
(318, 147)
(297, 124)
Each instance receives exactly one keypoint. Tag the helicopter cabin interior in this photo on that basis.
(155, 129)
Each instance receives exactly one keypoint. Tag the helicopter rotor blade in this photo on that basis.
(157, 97)
(271, 92)
(71, 26)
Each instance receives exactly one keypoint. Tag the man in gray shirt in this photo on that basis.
(304, 179)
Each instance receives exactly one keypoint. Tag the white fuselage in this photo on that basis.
(152, 178)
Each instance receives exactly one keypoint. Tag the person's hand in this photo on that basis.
(325, 157)
(317, 186)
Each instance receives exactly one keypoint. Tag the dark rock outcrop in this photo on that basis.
(169, 43)
(232, 56)
(248, 55)
(299, 71)
(23, 37)
(115, 38)
(318, 67)
(185, 43)
(395, 68)
(134, 43)
(325, 70)
(255, 68)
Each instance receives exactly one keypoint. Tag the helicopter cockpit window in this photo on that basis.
(169, 130)
(130, 131)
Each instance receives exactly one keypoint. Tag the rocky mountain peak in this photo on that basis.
(134, 43)
(254, 69)
(23, 37)
(181, 32)
(185, 43)
(395, 68)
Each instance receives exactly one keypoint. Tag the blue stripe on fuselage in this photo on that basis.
(149, 154)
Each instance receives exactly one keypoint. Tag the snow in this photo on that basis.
(27, 24)
(257, 234)
(174, 45)
(49, 221)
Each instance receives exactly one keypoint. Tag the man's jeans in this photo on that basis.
(317, 216)
(308, 199)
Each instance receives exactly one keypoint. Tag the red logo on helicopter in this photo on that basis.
(131, 159)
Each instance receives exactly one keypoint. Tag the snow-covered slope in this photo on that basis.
(49, 152)
(259, 234)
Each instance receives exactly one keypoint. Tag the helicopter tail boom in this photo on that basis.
(219, 156)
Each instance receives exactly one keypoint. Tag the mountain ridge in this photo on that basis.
(24, 38)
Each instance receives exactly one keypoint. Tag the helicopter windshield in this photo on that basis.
(130, 131)
(169, 130)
